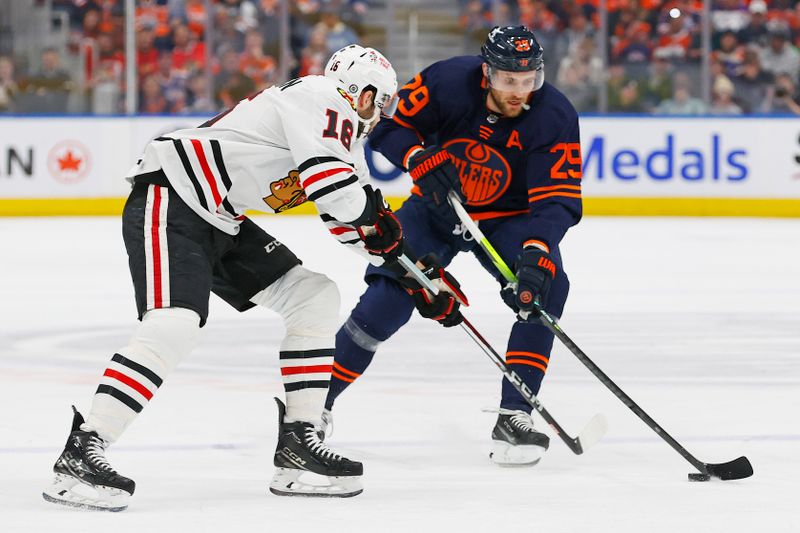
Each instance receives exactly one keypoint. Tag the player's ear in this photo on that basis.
(367, 98)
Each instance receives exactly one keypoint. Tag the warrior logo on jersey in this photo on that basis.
(286, 193)
(485, 174)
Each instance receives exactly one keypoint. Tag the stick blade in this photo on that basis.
(593, 432)
(737, 469)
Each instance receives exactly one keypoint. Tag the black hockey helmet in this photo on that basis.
(512, 48)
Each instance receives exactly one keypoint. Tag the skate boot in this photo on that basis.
(515, 442)
(302, 454)
(83, 477)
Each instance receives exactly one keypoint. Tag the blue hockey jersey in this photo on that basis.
(508, 166)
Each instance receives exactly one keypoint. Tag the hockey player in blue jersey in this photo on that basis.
(490, 128)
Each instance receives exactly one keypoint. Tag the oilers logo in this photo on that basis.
(485, 174)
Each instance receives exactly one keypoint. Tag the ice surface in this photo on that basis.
(696, 319)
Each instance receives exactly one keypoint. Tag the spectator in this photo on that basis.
(338, 34)
(195, 17)
(238, 87)
(228, 33)
(675, 37)
(623, 92)
(682, 101)
(315, 55)
(584, 63)
(152, 100)
(575, 88)
(569, 39)
(780, 56)
(635, 47)
(197, 100)
(228, 67)
(152, 16)
(475, 20)
(49, 88)
(751, 84)
(783, 97)
(8, 86)
(729, 15)
(657, 86)
(189, 53)
(146, 54)
(255, 64)
(723, 103)
(171, 80)
(730, 54)
(755, 32)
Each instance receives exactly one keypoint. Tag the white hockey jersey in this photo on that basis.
(271, 152)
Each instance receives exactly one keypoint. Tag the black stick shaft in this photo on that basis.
(553, 326)
(516, 381)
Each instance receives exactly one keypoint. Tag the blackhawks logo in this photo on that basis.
(286, 193)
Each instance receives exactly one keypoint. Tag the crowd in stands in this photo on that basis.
(654, 52)
(173, 49)
(653, 63)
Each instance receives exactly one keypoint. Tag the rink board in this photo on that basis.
(642, 165)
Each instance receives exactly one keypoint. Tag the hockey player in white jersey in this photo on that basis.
(186, 237)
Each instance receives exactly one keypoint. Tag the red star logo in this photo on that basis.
(69, 162)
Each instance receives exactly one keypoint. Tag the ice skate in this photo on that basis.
(515, 442)
(305, 466)
(83, 477)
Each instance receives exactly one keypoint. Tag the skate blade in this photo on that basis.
(505, 454)
(67, 490)
(288, 482)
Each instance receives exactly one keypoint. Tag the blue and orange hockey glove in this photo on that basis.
(535, 272)
(435, 174)
(442, 307)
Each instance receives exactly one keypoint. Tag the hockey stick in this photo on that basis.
(736, 469)
(593, 431)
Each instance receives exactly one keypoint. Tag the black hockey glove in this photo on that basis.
(443, 307)
(535, 273)
(435, 174)
(380, 231)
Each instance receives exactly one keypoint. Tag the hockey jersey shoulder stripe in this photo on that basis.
(312, 179)
(332, 187)
(338, 230)
(313, 161)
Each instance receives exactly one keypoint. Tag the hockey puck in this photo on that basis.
(696, 476)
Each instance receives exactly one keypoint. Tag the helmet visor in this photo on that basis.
(516, 82)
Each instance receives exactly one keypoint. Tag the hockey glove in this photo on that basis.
(444, 306)
(435, 174)
(381, 231)
(535, 272)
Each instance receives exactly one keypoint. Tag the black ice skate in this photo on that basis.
(301, 452)
(515, 442)
(83, 476)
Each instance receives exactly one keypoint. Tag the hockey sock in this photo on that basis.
(135, 372)
(309, 305)
(380, 312)
(528, 355)
(354, 351)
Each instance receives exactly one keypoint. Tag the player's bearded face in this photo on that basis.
(509, 91)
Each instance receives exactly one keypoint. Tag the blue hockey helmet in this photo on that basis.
(513, 49)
